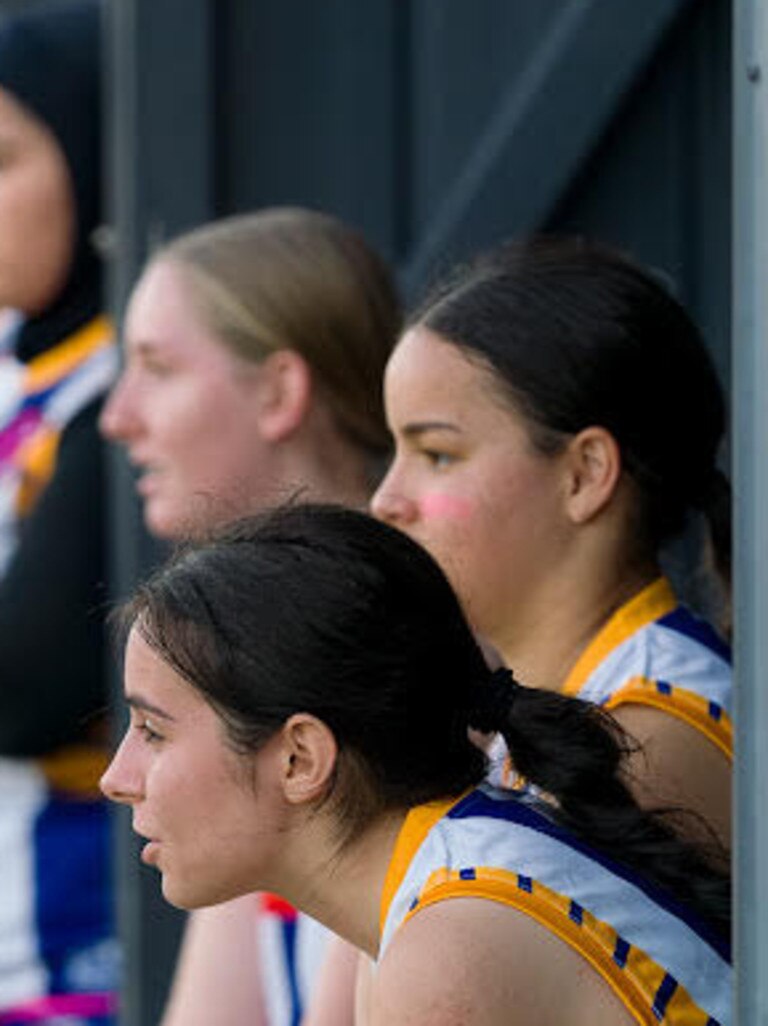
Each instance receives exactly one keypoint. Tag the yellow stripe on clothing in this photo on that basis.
(686, 705)
(415, 828)
(654, 601)
(76, 770)
(636, 983)
(36, 460)
(51, 366)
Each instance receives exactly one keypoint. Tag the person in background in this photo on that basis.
(301, 690)
(254, 352)
(58, 953)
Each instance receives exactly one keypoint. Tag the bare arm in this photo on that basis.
(217, 978)
(676, 765)
(333, 995)
(473, 962)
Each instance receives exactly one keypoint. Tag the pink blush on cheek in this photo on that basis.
(439, 506)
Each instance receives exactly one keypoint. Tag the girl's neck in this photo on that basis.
(320, 463)
(555, 626)
(330, 474)
(342, 888)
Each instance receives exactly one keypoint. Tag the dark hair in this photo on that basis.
(324, 610)
(577, 335)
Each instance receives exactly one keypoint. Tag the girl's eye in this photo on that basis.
(157, 369)
(439, 460)
(148, 733)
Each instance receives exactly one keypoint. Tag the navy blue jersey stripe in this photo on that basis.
(576, 913)
(684, 622)
(666, 989)
(506, 806)
(621, 952)
(288, 935)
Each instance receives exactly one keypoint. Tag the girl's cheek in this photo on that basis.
(442, 506)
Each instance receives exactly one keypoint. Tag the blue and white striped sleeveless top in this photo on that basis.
(664, 964)
(653, 651)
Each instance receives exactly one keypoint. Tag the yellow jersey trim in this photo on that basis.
(75, 770)
(686, 705)
(653, 602)
(415, 828)
(51, 366)
(37, 461)
(636, 982)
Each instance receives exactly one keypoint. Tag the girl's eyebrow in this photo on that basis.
(416, 428)
(142, 347)
(137, 702)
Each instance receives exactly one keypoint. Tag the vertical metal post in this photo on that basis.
(160, 160)
(750, 401)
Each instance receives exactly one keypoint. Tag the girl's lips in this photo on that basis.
(150, 852)
(144, 485)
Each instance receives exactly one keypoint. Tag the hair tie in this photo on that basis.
(496, 696)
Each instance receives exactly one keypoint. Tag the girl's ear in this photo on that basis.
(309, 754)
(284, 394)
(593, 468)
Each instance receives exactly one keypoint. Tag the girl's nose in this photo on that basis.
(119, 782)
(391, 506)
(117, 417)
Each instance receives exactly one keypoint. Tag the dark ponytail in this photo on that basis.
(574, 753)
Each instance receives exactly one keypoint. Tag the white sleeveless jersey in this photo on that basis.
(655, 652)
(663, 964)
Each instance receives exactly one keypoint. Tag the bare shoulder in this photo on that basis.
(677, 765)
(472, 961)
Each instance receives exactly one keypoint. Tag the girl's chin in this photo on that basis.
(161, 521)
(189, 899)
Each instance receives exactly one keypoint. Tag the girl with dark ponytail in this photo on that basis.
(301, 688)
(557, 421)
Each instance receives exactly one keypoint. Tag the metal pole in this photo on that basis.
(160, 158)
(750, 401)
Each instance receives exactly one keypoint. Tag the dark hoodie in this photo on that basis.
(52, 674)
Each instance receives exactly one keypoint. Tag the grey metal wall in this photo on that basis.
(437, 127)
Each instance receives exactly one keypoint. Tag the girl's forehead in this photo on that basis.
(424, 364)
(151, 680)
(428, 375)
